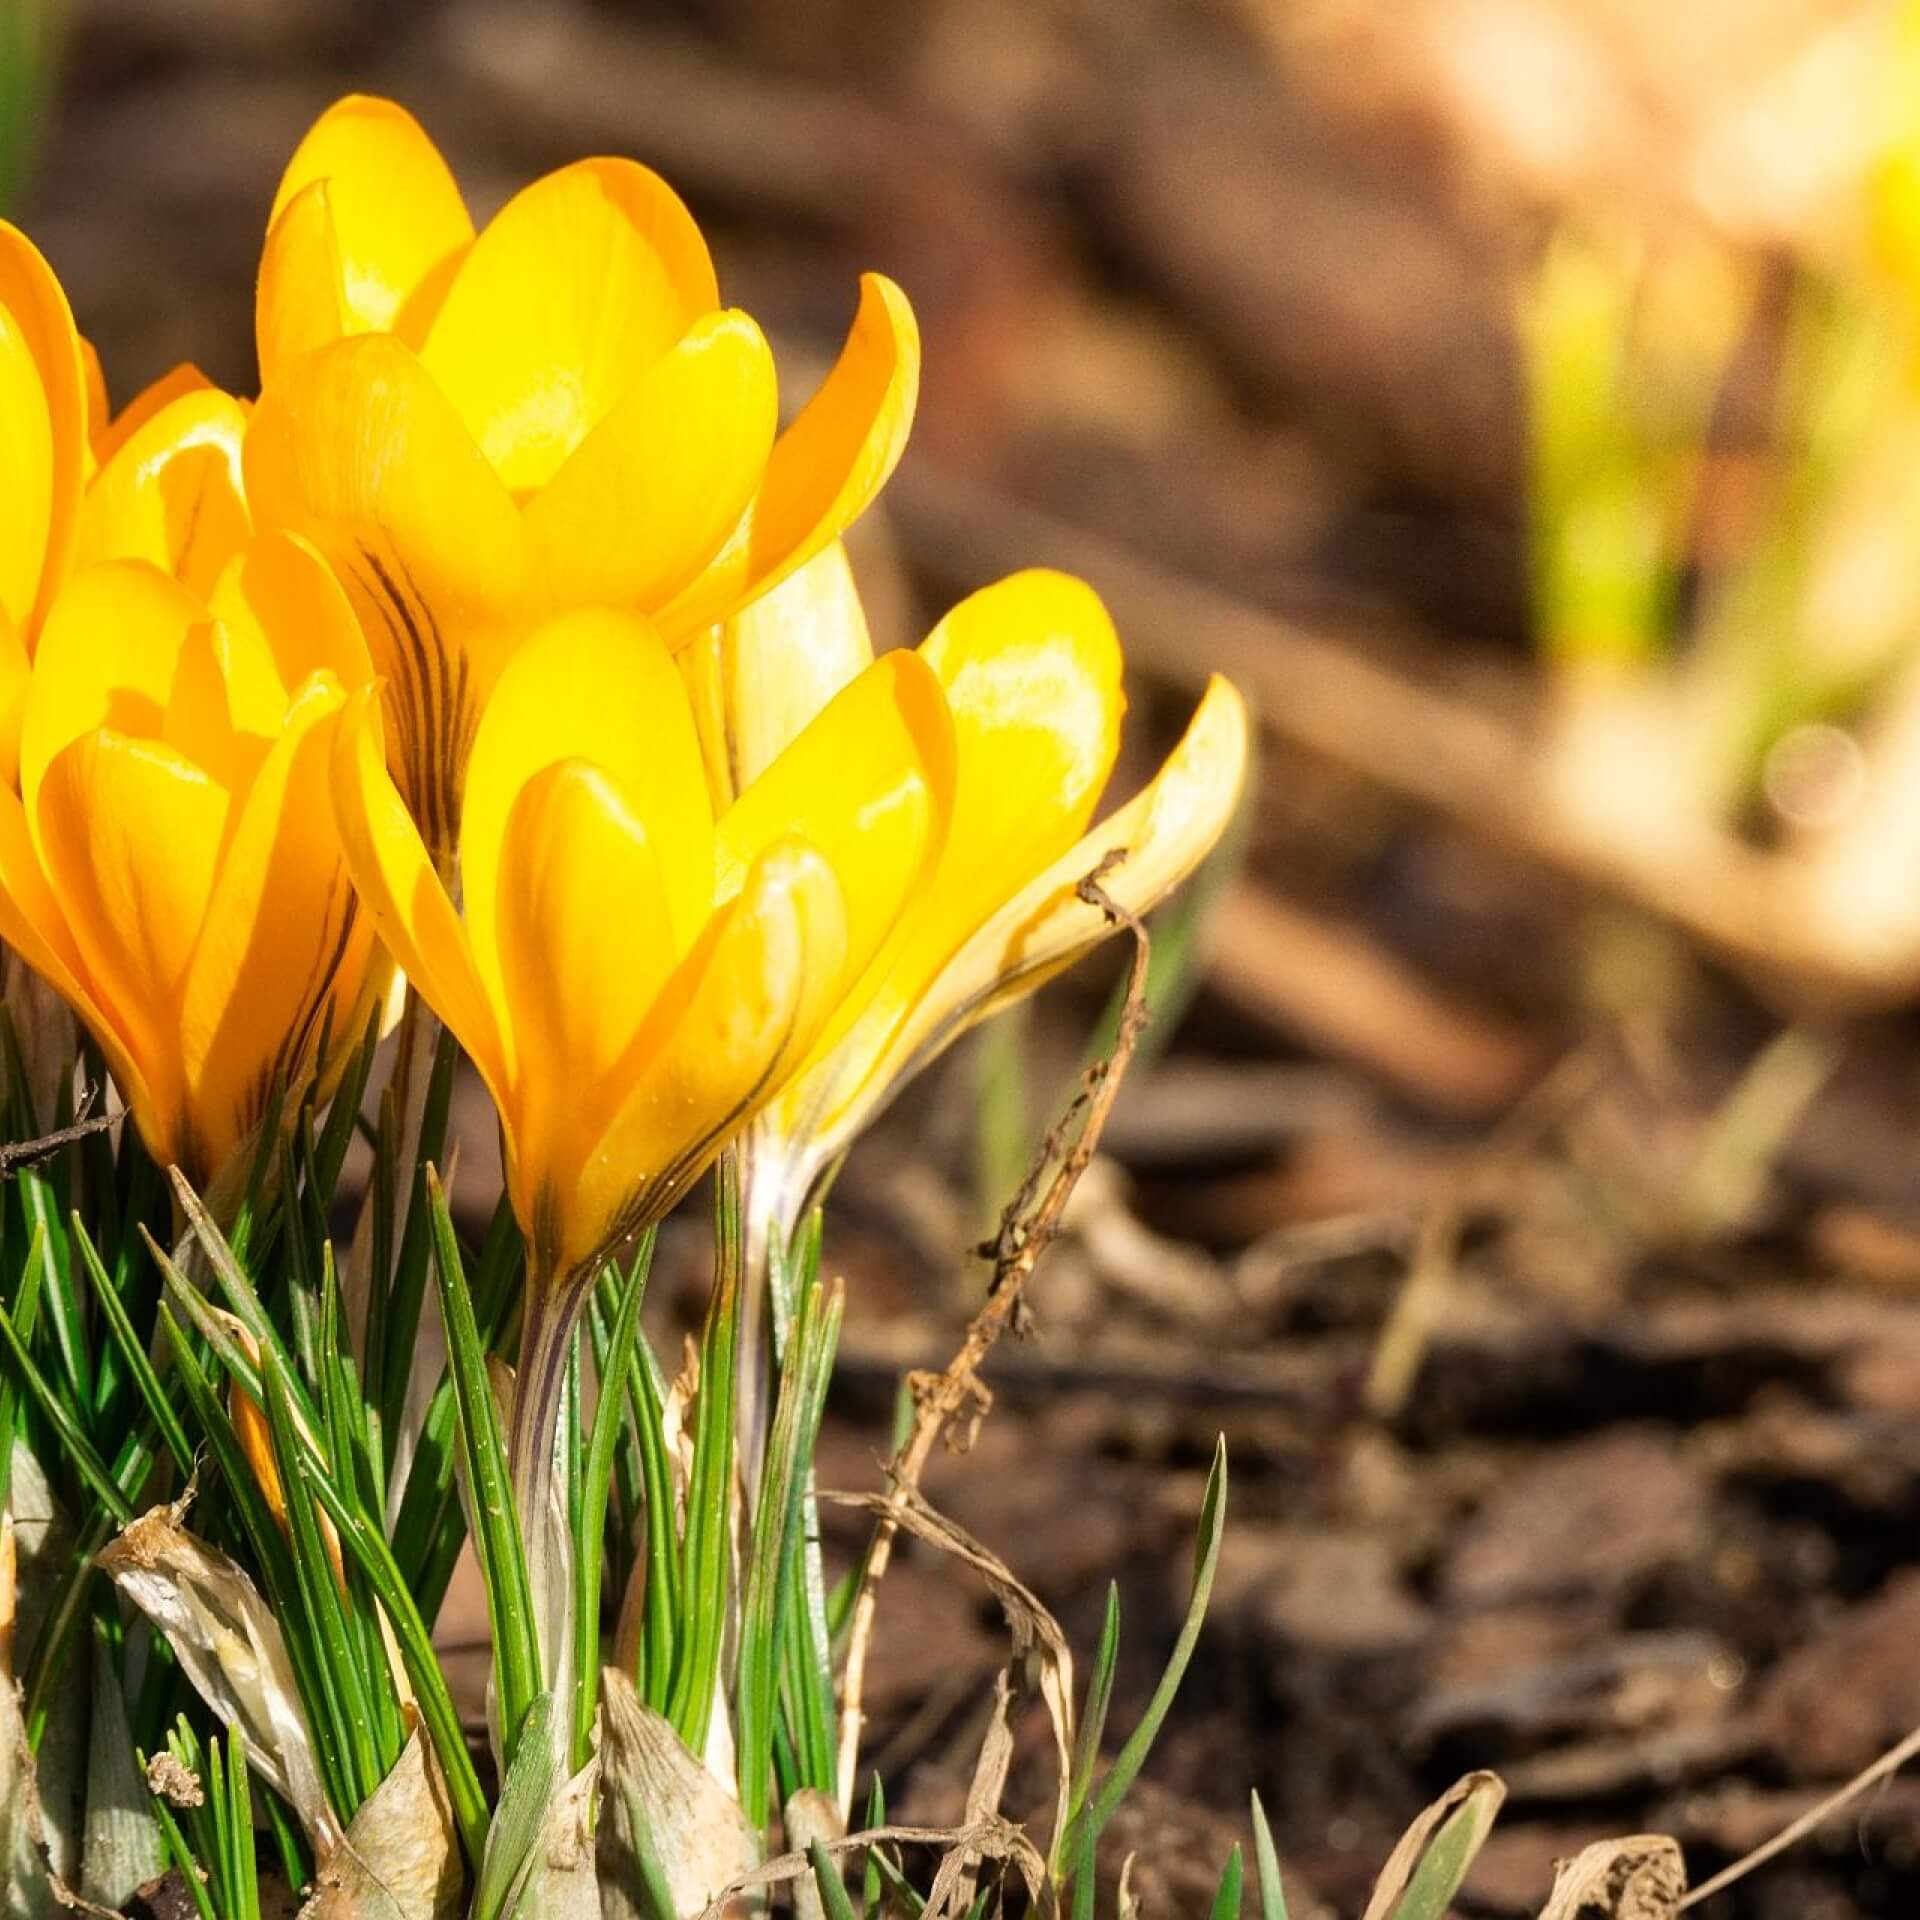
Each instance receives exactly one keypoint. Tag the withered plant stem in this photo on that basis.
(1027, 1228)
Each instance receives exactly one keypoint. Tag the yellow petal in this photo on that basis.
(43, 452)
(109, 657)
(739, 1014)
(111, 431)
(283, 616)
(584, 942)
(395, 878)
(825, 469)
(1031, 670)
(865, 785)
(645, 500)
(760, 679)
(284, 945)
(33, 925)
(381, 234)
(171, 492)
(576, 287)
(357, 451)
(16, 672)
(1165, 831)
(598, 687)
(299, 299)
(129, 835)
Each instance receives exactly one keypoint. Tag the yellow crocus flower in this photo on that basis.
(162, 864)
(633, 974)
(1030, 669)
(483, 431)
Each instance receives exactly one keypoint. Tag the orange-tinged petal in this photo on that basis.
(358, 451)
(739, 1014)
(865, 785)
(585, 942)
(647, 498)
(37, 316)
(171, 493)
(395, 878)
(576, 287)
(381, 236)
(93, 388)
(108, 658)
(129, 834)
(758, 680)
(599, 687)
(284, 940)
(111, 431)
(825, 469)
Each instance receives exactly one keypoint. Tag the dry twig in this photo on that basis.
(1027, 1228)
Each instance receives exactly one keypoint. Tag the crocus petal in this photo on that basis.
(598, 687)
(366, 226)
(647, 498)
(129, 833)
(868, 785)
(283, 616)
(584, 942)
(742, 1010)
(43, 452)
(108, 658)
(758, 680)
(359, 452)
(284, 940)
(93, 388)
(395, 878)
(32, 924)
(1164, 832)
(825, 469)
(577, 286)
(1031, 670)
(16, 675)
(171, 492)
(112, 431)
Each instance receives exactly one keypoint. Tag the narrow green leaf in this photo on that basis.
(1093, 1716)
(1206, 1558)
(590, 1535)
(870, 1866)
(1226, 1901)
(497, 1542)
(133, 1355)
(833, 1889)
(517, 1837)
(1424, 1871)
(1273, 1899)
(79, 1449)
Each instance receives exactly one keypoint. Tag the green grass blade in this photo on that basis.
(78, 1448)
(870, 1866)
(1273, 1899)
(133, 1355)
(590, 1537)
(1206, 1558)
(1093, 1715)
(497, 1541)
(1226, 1901)
(833, 1889)
(516, 1839)
(706, 1561)
(362, 1539)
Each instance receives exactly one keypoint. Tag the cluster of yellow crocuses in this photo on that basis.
(506, 636)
